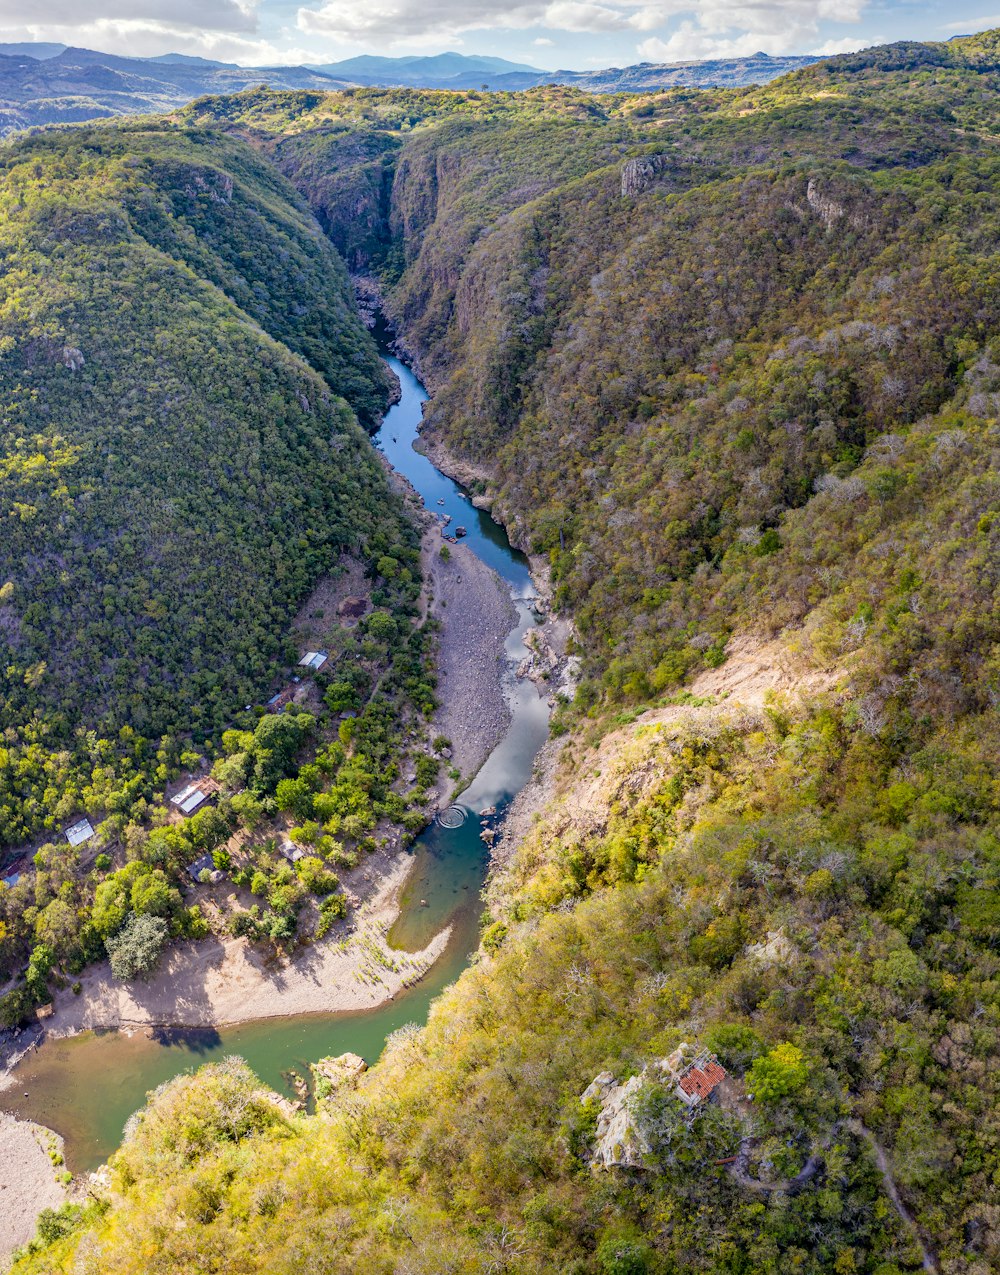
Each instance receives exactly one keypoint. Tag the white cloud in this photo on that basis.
(223, 29)
(706, 27)
(831, 48)
(715, 29)
(147, 39)
(185, 15)
(229, 29)
(968, 26)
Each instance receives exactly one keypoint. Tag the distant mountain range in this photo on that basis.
(455, 71)
(427, 72)
(71, 85)
(54, 84)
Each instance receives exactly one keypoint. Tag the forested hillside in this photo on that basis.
(729, 360)
(660, 324)
(182, 376)
(174, 479)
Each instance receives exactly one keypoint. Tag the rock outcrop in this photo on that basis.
(638, 174)
(331, 1074)
(774, 949)
(288, 1107)
(618, 1142)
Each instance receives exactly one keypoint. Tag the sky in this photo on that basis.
(550, 34)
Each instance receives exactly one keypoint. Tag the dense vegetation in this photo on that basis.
(730, 361)
(174, 480)
(182, 374)
(465, 1149)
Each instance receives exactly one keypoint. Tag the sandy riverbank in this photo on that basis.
(216, 982)
(29, 1181)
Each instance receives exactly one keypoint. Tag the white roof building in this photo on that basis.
(80, 832)
(314, 660)
(291, 851)
(189, 799)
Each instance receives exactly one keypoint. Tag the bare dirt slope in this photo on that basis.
(574, 784)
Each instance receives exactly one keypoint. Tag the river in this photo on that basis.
(87, 1086)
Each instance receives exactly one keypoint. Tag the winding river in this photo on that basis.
(87, 1086)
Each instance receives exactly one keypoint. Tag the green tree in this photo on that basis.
(135, 950)
(153, 895)
(777, 1074)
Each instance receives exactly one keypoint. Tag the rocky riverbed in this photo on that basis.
(474, 608)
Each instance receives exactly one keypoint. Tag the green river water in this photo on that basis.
(87, 1086)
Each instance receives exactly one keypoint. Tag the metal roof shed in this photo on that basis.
(189, 799)
(314, 660)
(291, 851)
(80, 832)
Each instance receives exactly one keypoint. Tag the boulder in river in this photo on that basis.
(340, 1072)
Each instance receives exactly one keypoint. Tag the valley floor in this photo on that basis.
(224, 981)
(476, 613)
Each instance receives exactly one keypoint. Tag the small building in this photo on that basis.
(205, 864)
(314, 660)
(696, 1074)
(701, 1080)
(290, 850)
(10, 880)
(191, 798)
(80, 832)
(277, 702)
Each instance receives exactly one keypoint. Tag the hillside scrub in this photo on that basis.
(730, 363)
(665, 330)
(469, 1138)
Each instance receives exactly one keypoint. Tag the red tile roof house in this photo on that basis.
(696, 1076)
(701, 1080)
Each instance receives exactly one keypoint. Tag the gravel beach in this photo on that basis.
(477, 613)
(28, 1181)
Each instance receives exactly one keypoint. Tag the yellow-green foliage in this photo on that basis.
(463, 1147)
(758, 389)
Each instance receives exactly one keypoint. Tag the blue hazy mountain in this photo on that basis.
(52, 84)
(422, 71)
